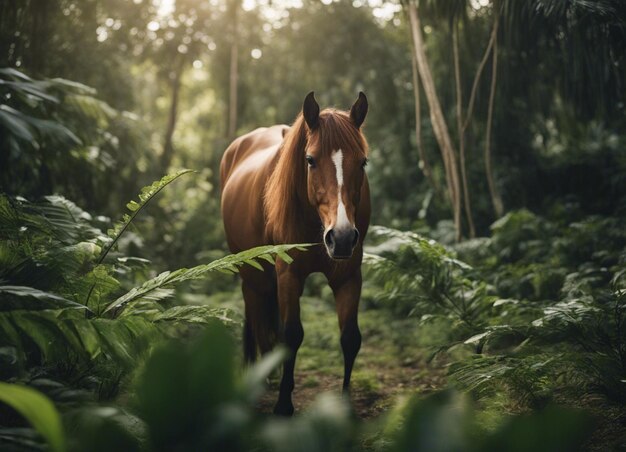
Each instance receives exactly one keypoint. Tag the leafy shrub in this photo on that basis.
(57, 136)
(420, 277)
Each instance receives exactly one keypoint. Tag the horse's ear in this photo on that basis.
(311, 111)
(359, 110)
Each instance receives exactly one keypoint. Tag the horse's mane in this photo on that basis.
(285, 197)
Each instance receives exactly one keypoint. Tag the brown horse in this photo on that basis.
(300, 184)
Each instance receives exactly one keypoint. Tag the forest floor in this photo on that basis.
(388, 366)
(394, 363)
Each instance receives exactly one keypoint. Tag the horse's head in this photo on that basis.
(336, 155)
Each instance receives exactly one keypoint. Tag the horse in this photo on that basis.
(300, 184)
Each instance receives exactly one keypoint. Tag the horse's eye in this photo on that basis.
(364, 164)
(311, 161)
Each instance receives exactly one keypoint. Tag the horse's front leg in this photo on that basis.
(289, 290)
(347, 293)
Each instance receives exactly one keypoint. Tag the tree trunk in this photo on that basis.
(461, 130)
(493, 190)
(438, 121)
(168, 145)
(35, 56)
(424, 165)
(234, 75)
(479, 71)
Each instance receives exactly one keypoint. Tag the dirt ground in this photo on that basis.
(393, 362)
(388, 364)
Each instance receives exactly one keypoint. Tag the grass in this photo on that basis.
(392, 363)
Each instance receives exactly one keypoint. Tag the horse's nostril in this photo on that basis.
(355, 240)
(329, 238)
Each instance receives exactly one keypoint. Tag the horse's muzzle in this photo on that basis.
(340, 244)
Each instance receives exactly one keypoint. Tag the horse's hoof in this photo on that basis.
(284, 409)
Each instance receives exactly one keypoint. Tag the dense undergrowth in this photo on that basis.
(78, 315)
(538, 314)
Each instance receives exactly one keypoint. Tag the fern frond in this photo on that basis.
(147, 193)
(195, 314)
(527, 376)
(427, 248)
(228, 264)
(420, 276)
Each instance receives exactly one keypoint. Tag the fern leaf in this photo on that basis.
(123, 339)
(195, 314)
(147, 193)
(254, 264)
(228, 263)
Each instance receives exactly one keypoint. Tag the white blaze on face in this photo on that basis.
(342, 221)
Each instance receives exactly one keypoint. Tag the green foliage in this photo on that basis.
(525, 376)
(446, 422)
(87, 90)
(104, 429)
(38, 410)
(62, 317)
(57, 136)
(228, 265)
(549, 312)
(420, 277)
(192, 396)
(47, 245)
(20, 127)
(45, 300)
(577, 316)
(207, 368)
(146, 195)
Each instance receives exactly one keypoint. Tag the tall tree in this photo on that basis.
(423, 162)
(234, 68)
(175, 76)
(461, 131)
(437, 118)
(496, 199)
(179, 39)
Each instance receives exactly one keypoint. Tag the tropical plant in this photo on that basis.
(67, 303)
(422, 278)
(540, 314)
(59, 137)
